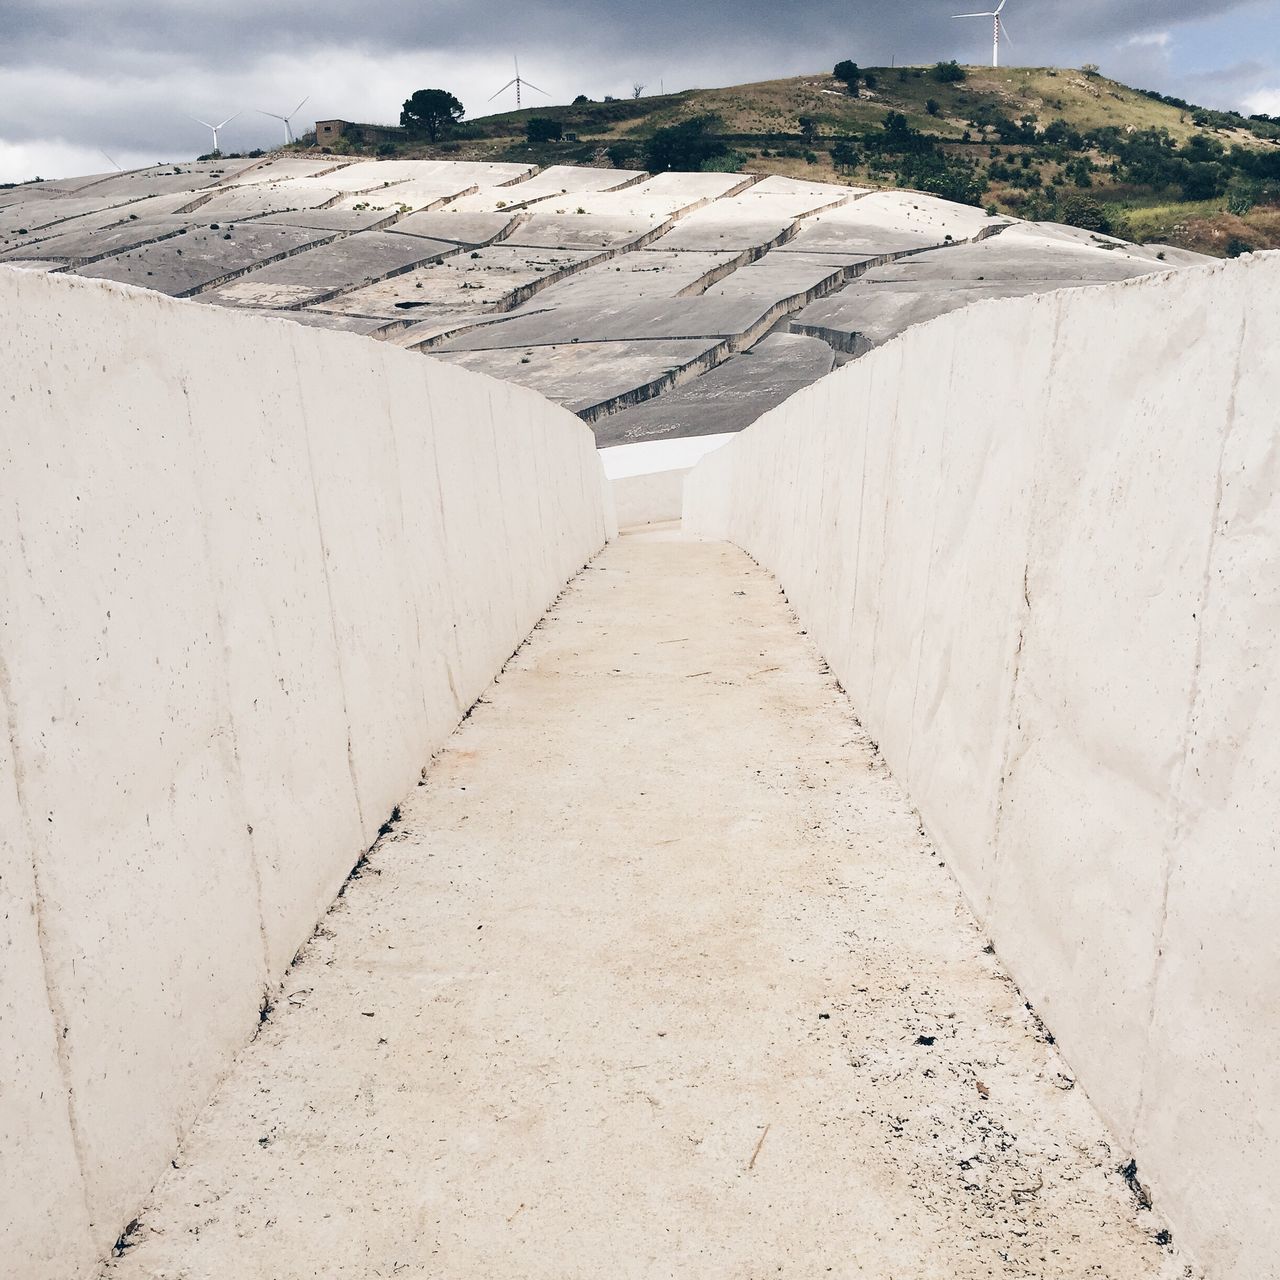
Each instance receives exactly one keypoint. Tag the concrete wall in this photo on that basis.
(1039, 544)
(251, 576)
(646, 479)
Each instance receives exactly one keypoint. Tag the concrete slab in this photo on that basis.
(858, 238)
(728, 398)
(585, 376)
(662, 196)
(282, 168)
(777, 185)
(755, 219)
(37, 215)
(471, 229)
(349, 220)
(80, 247)
(548, 230)
(256, 199)
(128, 214)
(1023, 253)
(781, 277)
(160, 179)
(856, 319)
(547, 185)
(1022, 260)
(631, 276)
(563, 179)
(408, 196)
(493, 278)
(49, 188)
(203, 257)
(348, 263)
(644, 320)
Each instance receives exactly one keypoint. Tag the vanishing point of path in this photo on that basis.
(655, 977)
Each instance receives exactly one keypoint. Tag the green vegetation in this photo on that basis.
(848, 74)
(691, 145)
(431, 113)
(543, 129)
(1044, 143)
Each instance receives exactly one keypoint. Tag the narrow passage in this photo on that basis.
(656, 976)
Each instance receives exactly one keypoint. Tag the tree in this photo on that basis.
(637, 89)
(847, 72)
(949, 72)
(543, 129)
(808, 128)
(432, 112)
(931, 106)
(687, 146)
(845, 154)
(1084, 212)
(581, 100)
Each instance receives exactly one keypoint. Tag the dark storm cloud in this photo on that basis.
(113, 34)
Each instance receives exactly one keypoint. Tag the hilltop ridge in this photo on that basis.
(1042, 143)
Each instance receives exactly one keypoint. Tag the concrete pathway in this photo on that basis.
(656, 976)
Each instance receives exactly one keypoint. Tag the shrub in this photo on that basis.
(687, 146)
(543, 129)
(949, 72)
(1084, 212)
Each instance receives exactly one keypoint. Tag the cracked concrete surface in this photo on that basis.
(654, 976)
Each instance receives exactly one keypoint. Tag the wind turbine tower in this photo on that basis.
(520, 84)
(998, 26)
(285, 120)
(216, 127)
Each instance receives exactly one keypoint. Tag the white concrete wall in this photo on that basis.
(646, 479)
(251, 576)
(1039, 543)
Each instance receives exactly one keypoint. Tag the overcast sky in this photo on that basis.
(82, 77)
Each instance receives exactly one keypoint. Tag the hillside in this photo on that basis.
(1042, 143)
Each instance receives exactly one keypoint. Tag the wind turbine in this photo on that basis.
(519, 84)
(216, 127)
(288, 128)
(997, 23)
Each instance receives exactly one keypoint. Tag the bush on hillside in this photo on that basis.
(543, 129)
(949, 72)
(686, 147)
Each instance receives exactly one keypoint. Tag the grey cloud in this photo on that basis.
(116, 75)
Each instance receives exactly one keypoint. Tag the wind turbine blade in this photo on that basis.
(228, 120)
(528, 84)
(1000, 6)
(272, 114)
(206, 124)
(973, 15)
(1004, 31)
(504, 88)
(299, 107)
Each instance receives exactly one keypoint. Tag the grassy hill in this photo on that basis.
(1038, 142)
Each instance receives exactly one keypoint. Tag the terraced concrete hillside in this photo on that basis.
(653, 306)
